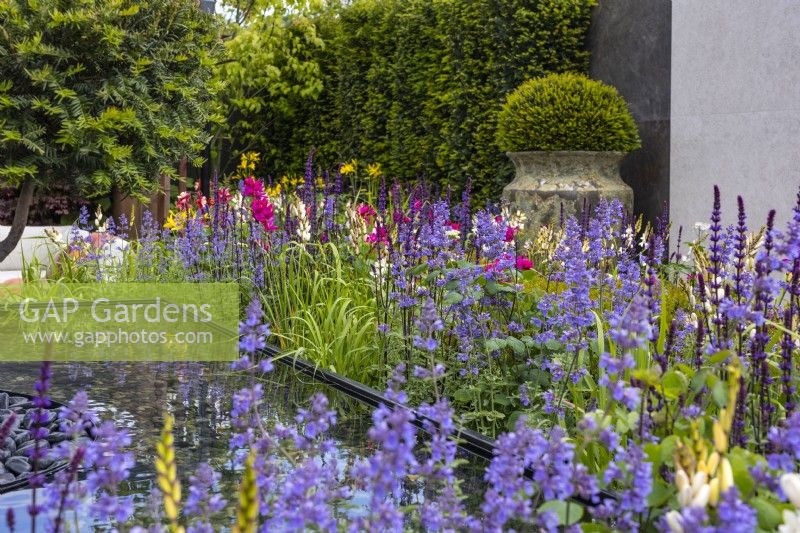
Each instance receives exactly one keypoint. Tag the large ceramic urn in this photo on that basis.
(546, 182)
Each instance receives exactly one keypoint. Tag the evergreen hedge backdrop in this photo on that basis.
(415, 85)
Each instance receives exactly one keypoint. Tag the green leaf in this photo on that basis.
(568, 512)
(719, 357)
(502, 399)
(495, 344)
(720, 394)
(491, 288)
(660, 494)
(511, 423)
(648, 376)
(675, 384)
(740, 465)
(529, 342)
(464, 395)
(452, 298)
(517, 345)
(553, 345)
(769, 517)
(591, 527)
(601, 338)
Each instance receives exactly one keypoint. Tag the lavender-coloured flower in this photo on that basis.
(734, 515)
(428, 325)
(203, 500)
(382, 473)
(109, 465)
(253, 332)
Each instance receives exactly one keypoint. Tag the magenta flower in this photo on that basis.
(253, 188)
(264, 213)
(523, 263)
(182, 202)
(379, 235)
(366, 212)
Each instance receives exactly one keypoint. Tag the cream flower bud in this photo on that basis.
(791, 522)
(725, 475)
(714, 496)
(701, 498)
(685, 496)
(698, 480)
(681, 479)
(674, 522)
(712, 463)
(790, 484)
(720, 438)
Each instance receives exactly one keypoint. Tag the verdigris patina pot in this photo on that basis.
(546, 181)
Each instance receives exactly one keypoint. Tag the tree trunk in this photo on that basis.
(24, 201)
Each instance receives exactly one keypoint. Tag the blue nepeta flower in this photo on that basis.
(735, 516)
(203, 500)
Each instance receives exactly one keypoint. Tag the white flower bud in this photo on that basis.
(790, 484)
(698, 480)
(685, 496)
(791, 522)
(681, 479)
(701, 498)
(674, 522)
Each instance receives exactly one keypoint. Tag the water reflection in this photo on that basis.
(135, 396)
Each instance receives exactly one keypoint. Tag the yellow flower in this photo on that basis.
(176, 220)
(374, 170)
(273, 190)
(349, 168)
(249, 160)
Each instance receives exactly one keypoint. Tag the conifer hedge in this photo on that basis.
(417, 85)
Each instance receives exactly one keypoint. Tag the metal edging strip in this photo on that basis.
(468, 440)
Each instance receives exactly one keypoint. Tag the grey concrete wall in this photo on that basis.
(630, 45)
(735, 107)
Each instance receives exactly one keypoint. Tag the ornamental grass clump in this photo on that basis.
(567, 112)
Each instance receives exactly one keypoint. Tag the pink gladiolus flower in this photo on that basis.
(379, 235)
(523, 263)
(455, 226)
(510, 232)
(492, 267)
(366, 211)
(264, 212)
(223, 195)
(253, 187)
(183, 200)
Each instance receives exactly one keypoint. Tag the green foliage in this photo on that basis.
(322, 309)
(271, 73)
(414, 85)
(566, 112)
(103, 93)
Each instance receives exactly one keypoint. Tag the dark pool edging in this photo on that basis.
(470, 441)
(47, 472)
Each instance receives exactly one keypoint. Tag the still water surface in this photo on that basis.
(135, 396)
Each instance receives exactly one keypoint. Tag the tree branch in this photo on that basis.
(24, 201)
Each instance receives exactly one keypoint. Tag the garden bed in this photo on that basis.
(587, 362)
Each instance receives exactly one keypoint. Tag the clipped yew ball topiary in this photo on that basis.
(566, 112)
